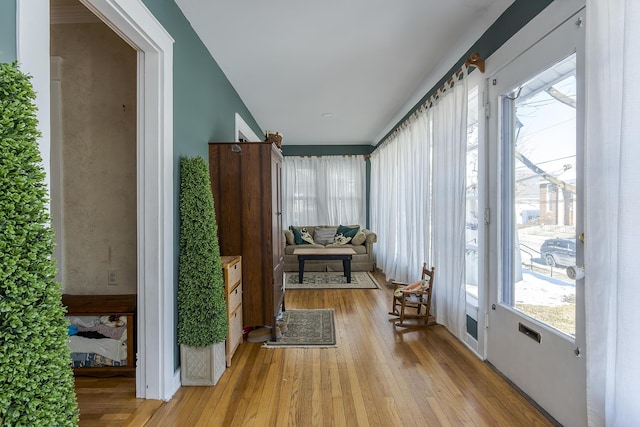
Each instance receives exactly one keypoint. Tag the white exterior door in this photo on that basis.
(535, 332)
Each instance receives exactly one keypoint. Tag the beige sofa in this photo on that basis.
(361, 261)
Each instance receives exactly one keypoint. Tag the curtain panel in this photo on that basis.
(400, 200)
(328, 190)
(612, 207)
(418, 202)
(449, 208)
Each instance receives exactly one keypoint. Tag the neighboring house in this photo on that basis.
(189, 102)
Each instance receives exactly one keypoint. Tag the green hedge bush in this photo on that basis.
(202, 310)
(36, 380)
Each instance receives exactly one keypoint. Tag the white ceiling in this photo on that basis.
(364, 62)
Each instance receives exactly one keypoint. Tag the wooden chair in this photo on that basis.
(418, 300)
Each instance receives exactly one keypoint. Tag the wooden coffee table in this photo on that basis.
(343, 254)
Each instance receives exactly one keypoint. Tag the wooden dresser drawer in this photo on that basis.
(235, 273)
(235, 328)
(235, 298)
(232, 269)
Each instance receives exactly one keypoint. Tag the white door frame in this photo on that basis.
(243, 128)
(156, 376)
(477, 311)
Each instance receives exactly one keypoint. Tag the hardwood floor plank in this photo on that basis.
(378, 375)
(271, 388)
(355, 388)
(143, 413)
(287, 401)
(384, 372)
(222, 399)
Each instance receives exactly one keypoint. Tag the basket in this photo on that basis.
(275, 138)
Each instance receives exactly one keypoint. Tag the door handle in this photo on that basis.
(575, 272)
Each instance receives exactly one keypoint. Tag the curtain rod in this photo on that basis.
(473, 60)
(319, 156)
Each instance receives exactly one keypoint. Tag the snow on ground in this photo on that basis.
(537, 289)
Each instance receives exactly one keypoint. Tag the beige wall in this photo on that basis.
(98, 87)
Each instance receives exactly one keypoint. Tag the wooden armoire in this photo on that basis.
(246, 182)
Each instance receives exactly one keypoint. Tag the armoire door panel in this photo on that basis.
(244, 193)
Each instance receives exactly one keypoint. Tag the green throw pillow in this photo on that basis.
(297, 235)
(299, 238)
(348, 231)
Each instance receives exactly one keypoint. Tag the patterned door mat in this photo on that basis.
(307, 328)
(331, 280)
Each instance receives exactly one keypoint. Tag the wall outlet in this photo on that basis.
(113, 277)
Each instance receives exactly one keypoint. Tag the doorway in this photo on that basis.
(157, 373)
(535, 334)
(93, 158)
(93, 154)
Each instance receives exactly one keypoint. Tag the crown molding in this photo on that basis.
(75, 14)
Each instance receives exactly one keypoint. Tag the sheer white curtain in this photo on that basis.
(400, 200)
(449, 201)
(612, 209)
(328, 190)
(418, 210)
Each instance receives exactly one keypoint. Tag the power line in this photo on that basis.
(549, 161)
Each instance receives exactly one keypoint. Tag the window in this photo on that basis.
(540, 147)
(326, 190)
(472, 200)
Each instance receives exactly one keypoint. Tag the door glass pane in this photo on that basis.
(471, 229)
(542, 135)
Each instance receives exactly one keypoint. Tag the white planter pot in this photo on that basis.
(202, 365)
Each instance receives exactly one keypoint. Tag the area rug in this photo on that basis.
(331, 280)
(307, 328)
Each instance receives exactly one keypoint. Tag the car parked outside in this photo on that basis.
(559, 252)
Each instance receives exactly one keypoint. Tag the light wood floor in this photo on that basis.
(379, 375)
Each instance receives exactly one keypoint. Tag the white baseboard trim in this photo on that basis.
(175, 385)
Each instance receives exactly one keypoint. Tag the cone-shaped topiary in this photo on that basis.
(202, 311)
(36, 380)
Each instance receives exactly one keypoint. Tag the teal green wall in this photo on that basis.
(8, 31)
(204, 102)
(325, 150)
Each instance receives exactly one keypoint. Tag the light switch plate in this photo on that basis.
(113, 277)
